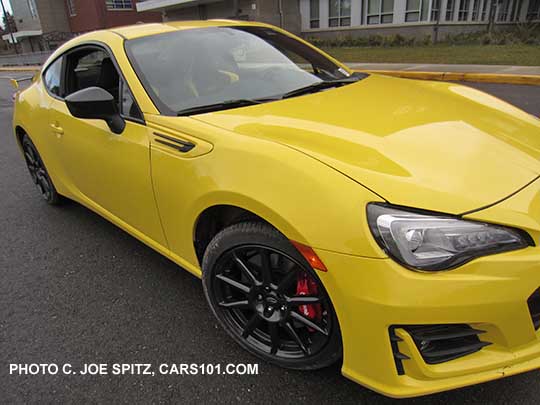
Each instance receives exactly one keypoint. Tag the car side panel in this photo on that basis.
(303, 198)
(31, 115)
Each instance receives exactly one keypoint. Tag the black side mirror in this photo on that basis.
(96, 103)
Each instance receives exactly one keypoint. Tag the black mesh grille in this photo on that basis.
(439, 343)
(534, 308)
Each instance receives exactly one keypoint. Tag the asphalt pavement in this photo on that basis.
(76, 289)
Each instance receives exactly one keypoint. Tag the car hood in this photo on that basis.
(430, 145)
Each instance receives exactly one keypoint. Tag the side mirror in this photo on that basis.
(96, 103)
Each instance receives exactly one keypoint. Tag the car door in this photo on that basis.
(109, 172)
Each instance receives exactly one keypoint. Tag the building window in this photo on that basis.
(449, 10)
(503, 10)
(484, 10)
(513, 13)
(380, 11)
(339, 13)
(533, 13)
(119, 5)
(463, 12)
(71, 8)
(435, 7)
(476, 10)
(314, 18)
(417, 10)
(33, 9)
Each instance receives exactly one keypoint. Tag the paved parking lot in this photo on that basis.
(75, 289)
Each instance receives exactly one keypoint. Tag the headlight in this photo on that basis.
(437, 242)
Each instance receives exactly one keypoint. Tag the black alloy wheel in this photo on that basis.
(38, 172)
(268, 298)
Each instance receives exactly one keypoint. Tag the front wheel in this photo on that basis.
(268, 298)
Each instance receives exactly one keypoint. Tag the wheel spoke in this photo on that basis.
(290, 330)
(274, 337)
(30, 159)
(308, 322)
(40, 184)
(303, 300)
(233, 283)
(251, 325)
(246, 270)
(289, 278)
(266, 267)
(235, 304)
(43, 184)
(256, 291)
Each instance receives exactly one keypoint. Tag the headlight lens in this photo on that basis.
(437, 242)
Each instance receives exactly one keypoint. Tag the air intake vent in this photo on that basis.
(441, 343)
(534, 308)
(398, 356)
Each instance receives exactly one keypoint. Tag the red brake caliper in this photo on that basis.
(305, 285)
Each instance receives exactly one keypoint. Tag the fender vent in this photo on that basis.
(534, 308)
(442, 343)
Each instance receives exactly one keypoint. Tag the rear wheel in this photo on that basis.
(38, 172)
(268, 299)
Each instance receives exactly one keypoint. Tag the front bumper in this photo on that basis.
(490, 293)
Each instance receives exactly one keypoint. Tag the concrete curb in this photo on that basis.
(533, 80)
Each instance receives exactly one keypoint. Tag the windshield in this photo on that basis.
(186, 69)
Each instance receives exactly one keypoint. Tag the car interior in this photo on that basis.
(95, 68)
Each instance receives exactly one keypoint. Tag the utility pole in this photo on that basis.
(436, 26)
(492, 13)
(8, 26)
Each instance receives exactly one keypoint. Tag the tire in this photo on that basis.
(38, 172)
(241, 253)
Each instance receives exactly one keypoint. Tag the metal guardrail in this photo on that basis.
(35, 58)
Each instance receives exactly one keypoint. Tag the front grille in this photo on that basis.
(438, 343)
(534, 308)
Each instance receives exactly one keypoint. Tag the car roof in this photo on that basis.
(142, 30)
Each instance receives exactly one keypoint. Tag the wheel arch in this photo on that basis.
(216, 217)
(19, 133)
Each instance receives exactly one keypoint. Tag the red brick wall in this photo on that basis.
(93, 15)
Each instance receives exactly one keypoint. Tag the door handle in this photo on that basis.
(57, 129)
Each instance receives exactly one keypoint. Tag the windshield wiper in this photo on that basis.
(244, 102)
(223, 105)
(326, 84)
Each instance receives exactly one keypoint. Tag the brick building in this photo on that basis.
(42, 25)
(88, 15)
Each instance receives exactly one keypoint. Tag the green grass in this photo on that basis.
(517, 55)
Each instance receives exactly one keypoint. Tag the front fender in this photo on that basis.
(303, 198)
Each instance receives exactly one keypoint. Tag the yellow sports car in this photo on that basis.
(332, 215)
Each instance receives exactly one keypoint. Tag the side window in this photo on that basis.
(92, 67)
(128, 106)
(53, 77)
(89, 68)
